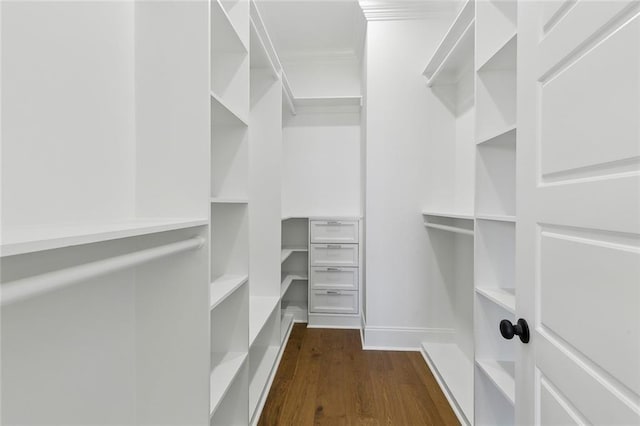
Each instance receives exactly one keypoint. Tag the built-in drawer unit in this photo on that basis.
(334, 231)
(334, 278)
(339, 255)
(333, 301)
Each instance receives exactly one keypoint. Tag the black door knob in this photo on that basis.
(520, 329)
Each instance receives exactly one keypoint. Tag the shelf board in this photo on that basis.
(448, 228)
(459, 60)
(223, 200)
(224, 114)
(225, 370)
(329, 101)
(261, 377)
(285, 326)
(286, 283)
(451, 215)
(502, 136)
(460, 24)
(224, 287)
(46, 237)
(259, 56)
(504, 57)
(286, 252)
(225, 33)
(496, 217)
(260, 308)
(505, 298)
(455, 372)
(501, 374)
(298, 310)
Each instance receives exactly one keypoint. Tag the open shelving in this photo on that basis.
(223, 374)
(224, 286)
(295, 268)
(263, 356)
(456, 224)
(260, 310)
(496, 26)
(502, 374)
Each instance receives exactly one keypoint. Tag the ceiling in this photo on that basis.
(314, 28)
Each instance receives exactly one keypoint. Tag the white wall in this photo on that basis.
(398, 297)
(323, 76)
(321, 165)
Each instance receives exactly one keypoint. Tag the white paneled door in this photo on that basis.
(578, 250)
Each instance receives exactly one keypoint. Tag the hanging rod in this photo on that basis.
(26, 288)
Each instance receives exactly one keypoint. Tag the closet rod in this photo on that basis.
(26, 288)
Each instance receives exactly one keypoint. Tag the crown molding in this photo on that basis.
(392, 10)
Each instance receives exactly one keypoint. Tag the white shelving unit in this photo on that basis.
(295, 268)
(496, 220)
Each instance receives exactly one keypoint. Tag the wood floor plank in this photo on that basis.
(325, 378)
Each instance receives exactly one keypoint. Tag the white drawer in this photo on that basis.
(333, 302)
(334, 278)
(334, 255)
(334, 231)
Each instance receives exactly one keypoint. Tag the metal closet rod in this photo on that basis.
(26, 288)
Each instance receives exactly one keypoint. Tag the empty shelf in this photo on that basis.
(502, 136)
(502, 374)
(260, 308)
(496, 217)
(297, 309)
(455, 371)
(452, 215)
(225, 370)
(223, 113)
(285, 325)
(448, 228)
(37, 238)
(506, 298)
(224, 286)
(284, 286)
(286, 252)
(261, 376)
(220, 200)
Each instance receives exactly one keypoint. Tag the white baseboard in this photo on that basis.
(402, 338)
(334, 321)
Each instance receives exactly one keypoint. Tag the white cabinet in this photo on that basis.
(334, 259)
(333, 301)
(336, 278)
(334, 231)
(334, 254)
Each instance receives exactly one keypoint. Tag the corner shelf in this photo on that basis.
(38, 238)
(505, 298)
(297, 309)
(455, 374)
(286, 252)
(223, 113)
(223, 374)
(502, 375)
(260, 308)
(224, 286)
(289, 279)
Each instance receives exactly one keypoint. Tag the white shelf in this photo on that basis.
(455, 49)
(452, 215)
(329, 101)
(285, 326)
(504, 57)
(223, 113)
(298, 310)
(260, 308)
(225, 371)
(226, 34)
(448, 228)
(506, 298)
(224, 286)
(506, 135)
(284, 286)
(286, 252)
(496, 217)
(502, 374)
(261, 376)
(259, 56)
(455, 372)
(37, 238)
(220, 200)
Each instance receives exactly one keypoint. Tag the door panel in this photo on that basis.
(578, 208)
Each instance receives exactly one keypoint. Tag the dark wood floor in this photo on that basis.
(325, 378)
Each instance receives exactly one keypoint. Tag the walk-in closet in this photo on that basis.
(299, 212)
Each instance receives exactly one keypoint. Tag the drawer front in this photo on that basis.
(334, 255)
(333, 302)
(334, 231)
(334, 278)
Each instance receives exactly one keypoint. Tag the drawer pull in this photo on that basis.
(333, 222)
(333, 292)
(334, 246)
(334, 269)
